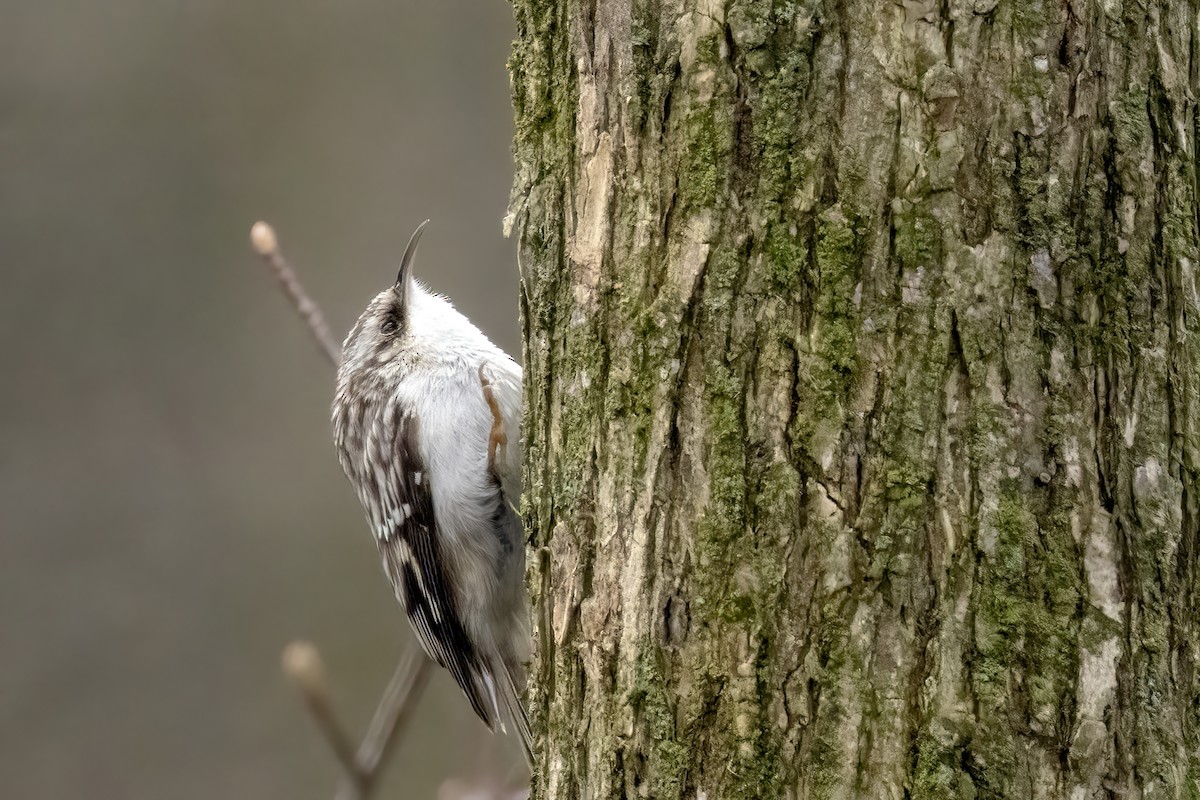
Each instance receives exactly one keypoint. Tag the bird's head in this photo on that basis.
(383, 335)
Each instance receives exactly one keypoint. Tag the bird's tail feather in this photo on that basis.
(504, 706)
(514, 710)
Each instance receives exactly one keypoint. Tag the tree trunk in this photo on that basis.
(862, 350)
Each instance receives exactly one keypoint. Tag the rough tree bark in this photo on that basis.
(861, 358)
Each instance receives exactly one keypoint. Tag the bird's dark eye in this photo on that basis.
(389, 326)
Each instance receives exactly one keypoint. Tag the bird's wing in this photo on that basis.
(409, 543)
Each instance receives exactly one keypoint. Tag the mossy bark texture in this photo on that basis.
(863, 370)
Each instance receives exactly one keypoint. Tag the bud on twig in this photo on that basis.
(262, 236)
(303, 665)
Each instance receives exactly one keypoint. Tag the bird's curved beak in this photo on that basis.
(405, 274)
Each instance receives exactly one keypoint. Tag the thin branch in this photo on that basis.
(302, 663)
(266, 244)
(394, 711)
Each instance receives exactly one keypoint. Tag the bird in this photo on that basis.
(426, 423)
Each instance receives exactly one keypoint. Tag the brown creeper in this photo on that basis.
(426, 421)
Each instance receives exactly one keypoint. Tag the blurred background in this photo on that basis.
(171, 509)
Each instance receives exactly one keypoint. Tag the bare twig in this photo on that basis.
(266, 244)
(302, 663)
(394, 711)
